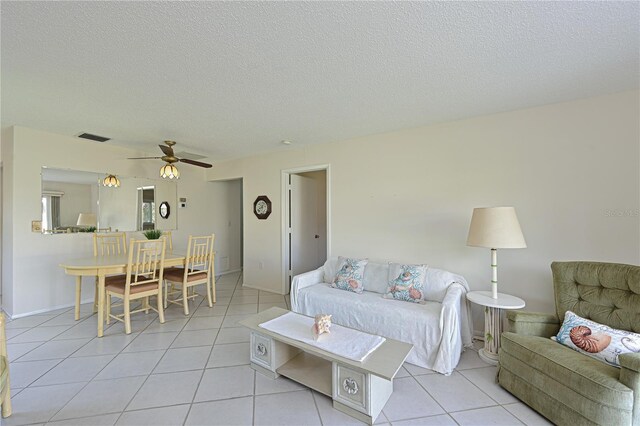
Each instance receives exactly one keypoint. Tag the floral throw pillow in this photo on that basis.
(406, 282)
(350, 274)
(596, 340)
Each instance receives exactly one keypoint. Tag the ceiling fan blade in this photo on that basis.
(196, 163)
(144, 158)
(167, 150)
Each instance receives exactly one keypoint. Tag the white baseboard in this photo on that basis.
(44, 311)
(219, 274)
(71, 305)
(261, 289)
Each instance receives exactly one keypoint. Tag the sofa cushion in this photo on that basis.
(376, 277)
(329, 269)
(554, 368)
(596, 340)
(350, 274)
(437, 283)
(406, 282)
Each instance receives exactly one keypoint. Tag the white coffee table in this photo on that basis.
(360, 389)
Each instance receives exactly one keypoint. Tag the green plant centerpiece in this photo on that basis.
(152, 234)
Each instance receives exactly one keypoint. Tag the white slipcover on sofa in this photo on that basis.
(439, 329)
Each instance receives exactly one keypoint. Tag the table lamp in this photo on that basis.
(86, 219)
(495, 228)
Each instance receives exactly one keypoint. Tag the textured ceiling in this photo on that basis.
(230, 79)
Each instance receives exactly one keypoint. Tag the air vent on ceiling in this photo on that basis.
(93, 137)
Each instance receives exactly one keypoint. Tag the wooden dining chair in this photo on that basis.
(104, 244)
(143, 278)
(5, 388)
(169, 238)
(198, 269)
(108, 244)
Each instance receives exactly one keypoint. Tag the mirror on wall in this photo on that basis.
(69, 200)
(76, 201)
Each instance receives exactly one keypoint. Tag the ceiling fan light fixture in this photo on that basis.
(169, 171)
(111, 181)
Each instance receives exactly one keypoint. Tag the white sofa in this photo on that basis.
(439, 329)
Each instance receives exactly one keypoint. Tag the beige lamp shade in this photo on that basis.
(86, 219)
(495, 227)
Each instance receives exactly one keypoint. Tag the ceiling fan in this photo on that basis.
(170, 158)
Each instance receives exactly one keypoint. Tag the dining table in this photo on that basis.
(101, 266)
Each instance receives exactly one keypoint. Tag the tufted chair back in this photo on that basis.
(608, 293)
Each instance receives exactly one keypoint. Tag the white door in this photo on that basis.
(304, 236)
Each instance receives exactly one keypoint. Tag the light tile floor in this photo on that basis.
(194, 371)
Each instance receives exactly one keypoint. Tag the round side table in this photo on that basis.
(493, 320)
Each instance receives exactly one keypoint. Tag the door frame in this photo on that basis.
(285, 214)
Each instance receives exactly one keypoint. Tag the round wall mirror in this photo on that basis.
(165, 210)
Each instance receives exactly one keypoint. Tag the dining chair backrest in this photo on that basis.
(109, 244)
(167, 236)
(146, 262)
(103, 230)
(199, 254)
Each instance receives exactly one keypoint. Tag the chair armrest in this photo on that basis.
(630, 377)
(533, 323)
(630, 361)
(304, 280)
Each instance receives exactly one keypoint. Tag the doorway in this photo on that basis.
(306, 222)
(227, 211)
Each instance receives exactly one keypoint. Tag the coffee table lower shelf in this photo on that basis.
(309, 370)
(359, 389)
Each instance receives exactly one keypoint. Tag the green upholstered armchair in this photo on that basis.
(565, 386)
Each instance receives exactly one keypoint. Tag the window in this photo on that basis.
(50, 211)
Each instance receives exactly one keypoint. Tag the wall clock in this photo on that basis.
(165, 210)
(262, 207)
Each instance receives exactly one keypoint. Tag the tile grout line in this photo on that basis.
(159, 360)
(144, 331)
(90, 340)
(220, 328)
(102, 369)
(315, 404)
(204, 370)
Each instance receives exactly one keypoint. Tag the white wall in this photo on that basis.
(0, 224)
(166, 191)
(408, 196)
(6, 145)
(32, 279)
